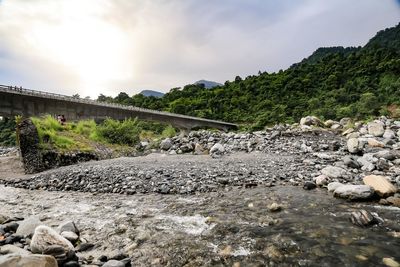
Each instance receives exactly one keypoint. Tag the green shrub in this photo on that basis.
(7, 132)
(169, 131)
(86, 128)
(116, 132)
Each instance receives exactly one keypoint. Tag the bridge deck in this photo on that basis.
(29, 97)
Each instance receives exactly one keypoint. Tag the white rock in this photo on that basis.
(321, 180)
(332, 186)
(354, 192)
(352, 145)
(334, 172)
(45, 236)
(217, 149)
(310, 120)
(376, 129)
(70, 236)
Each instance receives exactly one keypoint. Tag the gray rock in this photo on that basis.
(114, 263)
(352, 145)
(354, 192)
(27, 261)
(363, 218)
(166, 144)
(68, 226)
(351, 162)
(217, 149)
(45, 237)
(376, 129)
(367, 161)
(3, 218)
(333, 186)
(389, 134)
(27, 227)
(11, 249)
(70, 236)
(334, 172)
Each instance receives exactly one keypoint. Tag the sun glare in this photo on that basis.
(96, 51)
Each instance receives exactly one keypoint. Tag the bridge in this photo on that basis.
(26, 102)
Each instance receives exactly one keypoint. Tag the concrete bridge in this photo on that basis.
(26, 102)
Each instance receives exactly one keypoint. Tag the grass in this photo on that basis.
(86, 135)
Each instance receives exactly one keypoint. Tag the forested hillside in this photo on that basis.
(332, 83)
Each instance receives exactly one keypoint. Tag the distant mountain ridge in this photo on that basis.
(208, 84)
(152, 93)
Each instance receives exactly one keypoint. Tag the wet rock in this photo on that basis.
(334, 172)
(390, 262)
(363, 218)
(354, 192)
(27, 227)
(382, 165)
(10, 226)
(395, 201)
(166, 144)
(353, 145)
(27, 261)
(71, 264)
(376, 129)
(380, 184)
(44, 237)
(84, 247)
(274, 207)
(309, 185)
(351, 162)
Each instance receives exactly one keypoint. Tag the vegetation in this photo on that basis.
(7, 132)
(85, 135)
(332, 83)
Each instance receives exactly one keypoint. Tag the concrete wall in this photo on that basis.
(30, 104)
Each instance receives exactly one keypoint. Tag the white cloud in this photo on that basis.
(107, 46)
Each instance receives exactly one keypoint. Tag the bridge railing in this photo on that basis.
(30, 92)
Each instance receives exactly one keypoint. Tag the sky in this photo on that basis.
(91, 47)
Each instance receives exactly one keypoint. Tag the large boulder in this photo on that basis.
(376, 129)
(27, 261)
(311, 121)
(380, 184)
(354, 192)
(28, 138)
(45, 237)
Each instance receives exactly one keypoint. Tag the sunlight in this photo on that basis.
(98, 52)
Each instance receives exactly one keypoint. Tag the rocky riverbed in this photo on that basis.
(278, 197)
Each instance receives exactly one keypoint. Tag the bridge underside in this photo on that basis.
(12, 104)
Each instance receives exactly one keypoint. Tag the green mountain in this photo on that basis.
(332, 83)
